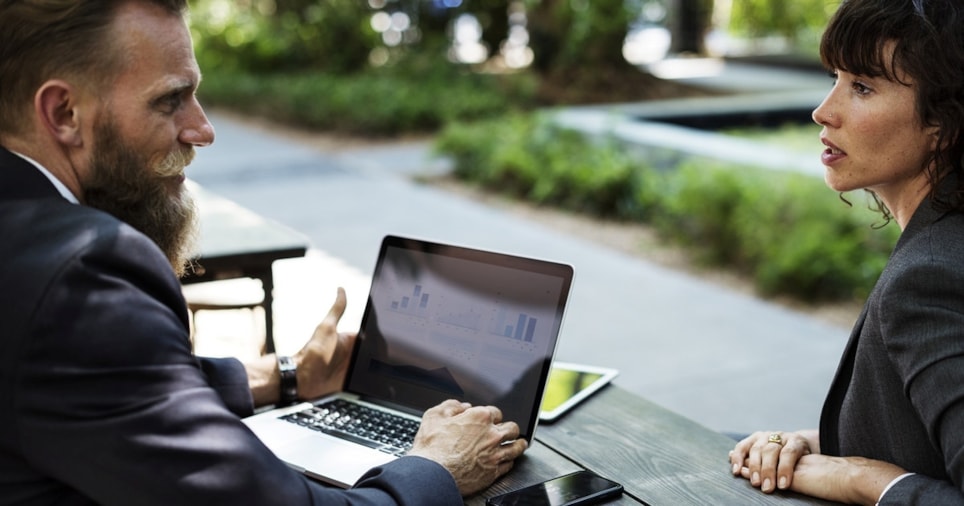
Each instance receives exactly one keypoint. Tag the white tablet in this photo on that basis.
(569, 384)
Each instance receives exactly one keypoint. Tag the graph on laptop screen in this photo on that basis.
(441, 325)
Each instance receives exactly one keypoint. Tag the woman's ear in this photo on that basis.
(56, 107)
(934, 132)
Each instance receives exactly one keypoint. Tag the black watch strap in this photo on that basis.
(289, 380)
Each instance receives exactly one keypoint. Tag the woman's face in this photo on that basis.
(875, 139)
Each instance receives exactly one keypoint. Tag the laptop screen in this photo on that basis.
(448, 322)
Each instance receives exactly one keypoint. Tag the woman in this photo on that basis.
(892, 427)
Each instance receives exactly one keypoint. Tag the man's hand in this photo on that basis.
(323, 361)
(468, 441)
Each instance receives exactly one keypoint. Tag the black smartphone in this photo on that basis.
(580, 487)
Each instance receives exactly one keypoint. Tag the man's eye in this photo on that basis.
(169, 103)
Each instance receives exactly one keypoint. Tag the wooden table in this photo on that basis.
(236, 242)
(660, 457)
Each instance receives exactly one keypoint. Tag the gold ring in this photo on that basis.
(775, 438)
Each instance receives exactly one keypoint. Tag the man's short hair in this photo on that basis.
(48, 39)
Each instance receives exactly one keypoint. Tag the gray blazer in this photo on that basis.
(101, 399)
(898, 395)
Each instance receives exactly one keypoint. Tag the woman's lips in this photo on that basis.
(832, 154)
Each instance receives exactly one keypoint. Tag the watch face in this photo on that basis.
(289, 379)
(286, 364)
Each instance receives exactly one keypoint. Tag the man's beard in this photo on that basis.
(149, 198)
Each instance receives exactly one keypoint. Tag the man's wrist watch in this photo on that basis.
(289, 380)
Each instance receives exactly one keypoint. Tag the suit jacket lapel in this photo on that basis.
(830, 416)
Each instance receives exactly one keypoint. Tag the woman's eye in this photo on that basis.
(860, 88)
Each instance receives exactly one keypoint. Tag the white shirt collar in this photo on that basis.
(61, 187)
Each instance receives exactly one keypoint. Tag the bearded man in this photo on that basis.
(101, 399)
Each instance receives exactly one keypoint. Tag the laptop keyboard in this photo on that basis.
(360, 424)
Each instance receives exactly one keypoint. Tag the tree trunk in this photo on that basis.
(689, 23)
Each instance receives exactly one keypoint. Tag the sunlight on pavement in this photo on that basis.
(304, 290)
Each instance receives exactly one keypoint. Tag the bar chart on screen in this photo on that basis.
(415, 304)
(523, 330)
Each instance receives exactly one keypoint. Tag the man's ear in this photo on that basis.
(55, 105)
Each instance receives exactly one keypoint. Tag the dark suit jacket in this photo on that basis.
(101, 399)
(898, 395)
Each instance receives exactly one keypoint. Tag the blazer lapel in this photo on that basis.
(830, 416)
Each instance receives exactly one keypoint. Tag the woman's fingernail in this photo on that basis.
(756, 478)
(783, 482)
(736, 468)
(766, 484)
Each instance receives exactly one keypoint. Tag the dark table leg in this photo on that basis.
(267, 284)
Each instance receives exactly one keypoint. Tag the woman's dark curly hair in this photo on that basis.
(929, 49)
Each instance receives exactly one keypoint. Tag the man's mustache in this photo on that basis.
(174, 163)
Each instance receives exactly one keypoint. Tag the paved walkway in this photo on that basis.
(724, 359)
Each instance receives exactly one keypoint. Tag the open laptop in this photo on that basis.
(441, 322)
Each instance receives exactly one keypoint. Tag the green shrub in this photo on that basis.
(530, 156)
(786, 230)
(699, 207)
(813, 245)
(409, 98)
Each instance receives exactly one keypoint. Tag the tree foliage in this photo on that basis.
(283, 35)
(586, 34)
(792, 20)
(565, 35)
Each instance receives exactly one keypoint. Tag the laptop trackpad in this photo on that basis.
(334, 461)
(320, 456)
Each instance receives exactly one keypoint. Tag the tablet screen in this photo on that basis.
(569, 384)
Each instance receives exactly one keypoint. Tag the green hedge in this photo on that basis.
(543, 163)
(788, 231)
(377, 102)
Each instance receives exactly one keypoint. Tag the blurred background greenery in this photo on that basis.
(477, 74)
(383, 67)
